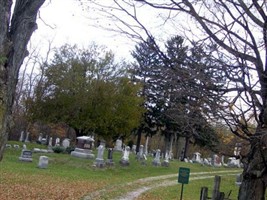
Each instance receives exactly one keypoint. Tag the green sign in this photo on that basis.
(183, 176)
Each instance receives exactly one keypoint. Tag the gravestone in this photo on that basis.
(125, 158)
(66, 143)
(21, 138)
(140, 153)
(216, 161)
(118, 145)
(57, 142)
(43, 162)
(233, 162)
(26, 155)
(206, 162)
(109, 161)
(134, 148)
(84, 148)
(196, 157)
(40, 138)
(156, 161)
(50, 143)
(27, 137)
(99, 162)
(16, 146)
(166, 162)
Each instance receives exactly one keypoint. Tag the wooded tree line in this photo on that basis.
(88, 91)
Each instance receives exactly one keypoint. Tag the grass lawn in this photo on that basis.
(68, 177)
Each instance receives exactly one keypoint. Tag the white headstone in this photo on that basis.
(40, 137)
(66, 143)
(118, 146)
(57, 142)
(196, 157)
(50, 141)
(21, 136)
(43, 162)
(156, 160)
(27, 137)
(126, 154)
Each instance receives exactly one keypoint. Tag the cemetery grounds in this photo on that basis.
(69, 178)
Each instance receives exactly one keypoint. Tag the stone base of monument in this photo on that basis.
(156, 163)
(124, 162)
(110, 162)
(99, 163)
(25, 159)
(165, 164)
(82, 153)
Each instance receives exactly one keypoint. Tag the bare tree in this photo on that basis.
(15, 34)
(239, 29)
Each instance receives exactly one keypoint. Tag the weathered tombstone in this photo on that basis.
(16, 146)
(99, 162)
(50, 143)
(110, 161)
(43, 162)
(118, 145)
(140, 153)
(21, 138)
(125, 158)
(27, 137)
(166, 162)
(84, 148)
(206, 162)
(8, 146)
(24, 147)
(134, 148)
(66, 143)
(26, 155)
(44, 141)
(216, 161)
(156, 161)
(222, 160)
(36, 150)
(57, 142)
(196, 157)
(40, 138)
(233, 162)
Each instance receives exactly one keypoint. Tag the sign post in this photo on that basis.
(183, 177)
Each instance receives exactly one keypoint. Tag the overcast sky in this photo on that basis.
(64, 21)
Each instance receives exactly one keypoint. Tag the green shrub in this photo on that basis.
(58, 149)
(69, 149)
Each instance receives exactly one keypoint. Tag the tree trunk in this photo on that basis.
(14, 37)
(254, 181)
(186, 148)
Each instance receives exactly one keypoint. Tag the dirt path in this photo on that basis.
(140, 186)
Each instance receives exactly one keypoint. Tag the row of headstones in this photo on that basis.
(142, 150)
(124, 161)
(45, 140)
(215, 161)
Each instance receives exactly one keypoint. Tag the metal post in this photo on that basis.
(182, 190)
